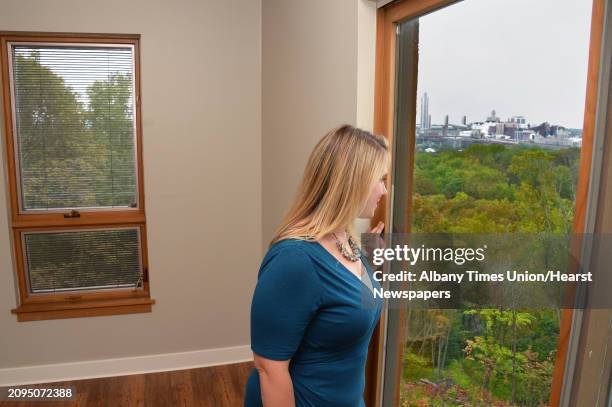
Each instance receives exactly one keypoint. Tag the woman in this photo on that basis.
(313, 310)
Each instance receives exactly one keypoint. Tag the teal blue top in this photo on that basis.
(308, 307)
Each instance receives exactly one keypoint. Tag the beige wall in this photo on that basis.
(201, 107)
(366, 62)
(318, 72)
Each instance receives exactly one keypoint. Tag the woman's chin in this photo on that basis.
(368, 214)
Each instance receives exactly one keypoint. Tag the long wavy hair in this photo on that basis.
(339, 176)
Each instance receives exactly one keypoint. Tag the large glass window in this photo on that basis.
(489, 108)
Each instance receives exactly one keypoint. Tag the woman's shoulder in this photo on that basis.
(291, 245)
(287, 248)
(291, 252)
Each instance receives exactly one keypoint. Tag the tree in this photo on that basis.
(110, 119)
(50, 124)
(72, 155)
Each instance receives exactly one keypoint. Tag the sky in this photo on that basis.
(519, 57)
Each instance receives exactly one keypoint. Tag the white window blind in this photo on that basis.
(82, 260)
(73, 109)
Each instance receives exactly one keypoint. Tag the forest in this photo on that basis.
(488, 356)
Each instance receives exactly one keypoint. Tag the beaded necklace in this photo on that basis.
(355, 255)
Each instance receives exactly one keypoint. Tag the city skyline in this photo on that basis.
(462, 119)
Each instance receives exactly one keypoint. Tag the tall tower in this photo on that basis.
(445, 130)
(425, 117)
(493, 117)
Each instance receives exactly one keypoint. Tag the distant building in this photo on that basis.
(546, 130)
(554, 140)
(525, 135)
(493, 117)
(474, 133)
(425, 116)
(483, 127)
(517, 120)
(575, 141)
(499, 130)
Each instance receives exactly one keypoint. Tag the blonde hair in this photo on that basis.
(339, 176)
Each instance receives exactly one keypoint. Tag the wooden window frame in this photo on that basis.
(388, 17)
(70, 304)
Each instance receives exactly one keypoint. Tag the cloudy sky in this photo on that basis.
(519, 57)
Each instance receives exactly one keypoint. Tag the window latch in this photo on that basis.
(142, 277)
(73, 214)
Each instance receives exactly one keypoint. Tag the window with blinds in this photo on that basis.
(85, 260)
(73, 150)
(74, 122)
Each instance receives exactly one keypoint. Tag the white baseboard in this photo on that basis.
(124, 366)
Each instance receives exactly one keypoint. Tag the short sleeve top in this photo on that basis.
(308, 307)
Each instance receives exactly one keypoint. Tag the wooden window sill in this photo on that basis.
(44, 311)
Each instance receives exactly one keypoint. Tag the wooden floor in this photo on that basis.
(216, 386)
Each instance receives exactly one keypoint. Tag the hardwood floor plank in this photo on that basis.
(204, 384)
(182, 388)
(124, 391)
(158, 389)
(215, 386)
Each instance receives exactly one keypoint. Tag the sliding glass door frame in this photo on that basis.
(382, 370)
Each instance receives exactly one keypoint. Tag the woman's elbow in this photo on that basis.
(269, 367)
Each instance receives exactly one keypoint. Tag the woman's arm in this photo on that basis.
(286, 298)
(275, 382)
